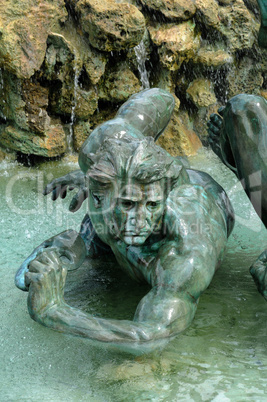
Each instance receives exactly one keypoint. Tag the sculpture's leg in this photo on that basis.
(259, 272)
(262, 37)
(242, 140)
(146, 113)
(245, 128)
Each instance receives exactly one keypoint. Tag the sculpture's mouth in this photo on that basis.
(136, 234)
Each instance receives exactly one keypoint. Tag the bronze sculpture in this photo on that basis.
(238, 135)
(239, 138)
(165, 224)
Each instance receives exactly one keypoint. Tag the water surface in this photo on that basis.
(221, 357)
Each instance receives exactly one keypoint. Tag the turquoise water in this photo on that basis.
(221, 357)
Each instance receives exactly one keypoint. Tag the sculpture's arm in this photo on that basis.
(166, 314)
(59, 187)
(180, 273)
(186, 264)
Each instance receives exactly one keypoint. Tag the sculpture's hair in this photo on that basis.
(141, 160)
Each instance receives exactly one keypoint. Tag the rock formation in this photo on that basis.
(66, 66)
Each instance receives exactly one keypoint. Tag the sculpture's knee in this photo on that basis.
(243, 103)
(245, 119)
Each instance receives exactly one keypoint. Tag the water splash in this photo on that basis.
(141, 57)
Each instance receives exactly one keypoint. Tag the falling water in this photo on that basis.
(2, 116)
(72, 116)
(141, 57)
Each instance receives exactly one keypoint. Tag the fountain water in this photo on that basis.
(221, 357)
(141, 57)
(76, 70)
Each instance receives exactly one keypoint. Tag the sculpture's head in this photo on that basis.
(129, 181)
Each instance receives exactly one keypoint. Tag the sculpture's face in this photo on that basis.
(128, 211)
(138, 211)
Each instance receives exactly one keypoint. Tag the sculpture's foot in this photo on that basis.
(259, 273)
(215, 127)
(262, 37)
(219, 140)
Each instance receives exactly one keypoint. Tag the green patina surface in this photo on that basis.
(165, 225)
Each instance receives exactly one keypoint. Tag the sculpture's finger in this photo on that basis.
(221, 110)
(54, 259)
(33, 278)
(216, 119)
(55, 193)
(78, 199)
(49, 258)
(213, 130)
(50, 187)
(63, 192)
(37, 266)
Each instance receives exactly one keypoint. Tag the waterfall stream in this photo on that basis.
(141, 57)
(74, 104)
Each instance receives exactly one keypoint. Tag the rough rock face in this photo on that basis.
(175, 43)
(207, 11)
(111, 26)
(36, 102)
(24, 28)
(171, 9)
(237, 26)
(120, 85)
(213, 58)
(201, 92)
(179, 138)
(74, 62)
(52, 143)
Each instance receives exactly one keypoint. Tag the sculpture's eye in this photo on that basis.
(152, 205)
(127, 204)
(96, 199)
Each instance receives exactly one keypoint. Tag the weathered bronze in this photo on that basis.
(165, 224)
(262, 37)
(239, 137)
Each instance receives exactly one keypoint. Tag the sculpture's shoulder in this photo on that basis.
(195, 192)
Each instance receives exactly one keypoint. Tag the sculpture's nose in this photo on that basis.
(140, 218)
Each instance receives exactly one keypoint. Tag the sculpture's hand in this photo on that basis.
(24, 268)
(46, 280)
(68, 245)
(215, 126)
(61, 185)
